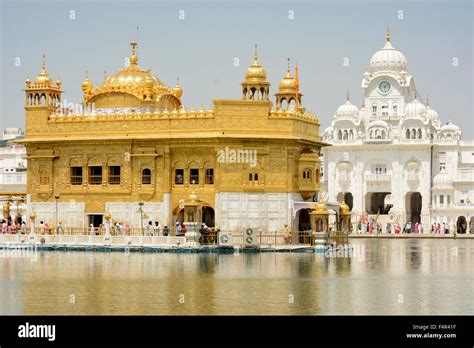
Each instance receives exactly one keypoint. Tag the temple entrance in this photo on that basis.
(461, 224)
(95, 219)
(208, 216)
(347, 198)
(377, 203)
(413, 202)
(304, 226)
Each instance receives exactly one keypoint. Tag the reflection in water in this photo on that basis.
(432, 277)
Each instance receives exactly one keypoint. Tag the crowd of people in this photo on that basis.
(372, 227)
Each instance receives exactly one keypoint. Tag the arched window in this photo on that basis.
(383, 134)
(413, 133)
(407, 135)
(255, 177)
(339, 135)
(307, 174)
(395, 109)
(374, 110)
(351, 135)
(43, 99)
(146, 176)
(284, 104)
(384, 110)
(344, 137)
(419, 133)
(250, 177)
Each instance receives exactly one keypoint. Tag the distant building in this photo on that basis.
(393, 159)
(12, 171)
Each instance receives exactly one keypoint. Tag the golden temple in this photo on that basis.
(134, 141)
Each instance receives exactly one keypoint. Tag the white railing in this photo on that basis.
(378, 177)
(92, 239)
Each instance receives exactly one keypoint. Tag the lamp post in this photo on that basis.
(56, 197)
(141, 204)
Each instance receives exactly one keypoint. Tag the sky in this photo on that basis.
(201, 48)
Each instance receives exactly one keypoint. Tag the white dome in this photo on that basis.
(431, 114)
(347, 110)
(449, 127)
(415, 109)
(388, 59)
(442, 179)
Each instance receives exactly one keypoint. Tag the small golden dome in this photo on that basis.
(321, 208)
(43, 77)
(255, 72)
(288, 82)
(344, 208)
(87, 86)
(177, 90)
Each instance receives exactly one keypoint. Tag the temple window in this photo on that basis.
(194, 176)
(114, 175)
(209, 176)
(146, 176)
(76, 175)
(95, 175)
(179, 176)
(374, 110)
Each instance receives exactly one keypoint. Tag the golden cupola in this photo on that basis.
(43, 91)
(288, 91)
(288, 82)
(177, 90)
(255, 85)
(87, 86)
(134, 87)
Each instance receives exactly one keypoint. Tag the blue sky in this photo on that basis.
(201, 48)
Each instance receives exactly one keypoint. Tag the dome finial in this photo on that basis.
(348, 95)
(105, 75)
(416, 95)
(43, 63)
(427, 100)
(87, 75)
(255, 53)
(288, 69)
(387, 35)
(133, 57)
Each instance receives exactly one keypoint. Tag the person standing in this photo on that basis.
(149, 229)
(166, 231)
(59, 229)
(157, 228)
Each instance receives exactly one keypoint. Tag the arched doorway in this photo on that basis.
(413, 203)
(461, 224)
(304, 223)
(208, 216)
(471, 225)
(349, 199)
(304, 226)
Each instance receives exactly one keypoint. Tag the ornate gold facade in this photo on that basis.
(133, 121)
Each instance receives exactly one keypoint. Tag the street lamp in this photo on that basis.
(56, 197)
(141, 204)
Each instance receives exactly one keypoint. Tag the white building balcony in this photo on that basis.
(378, 177)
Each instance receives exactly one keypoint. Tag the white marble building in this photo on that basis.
(12, 170)
(394, 158)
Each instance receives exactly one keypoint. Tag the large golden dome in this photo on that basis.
(134, 86)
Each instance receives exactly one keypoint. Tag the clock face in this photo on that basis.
(384, 87)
